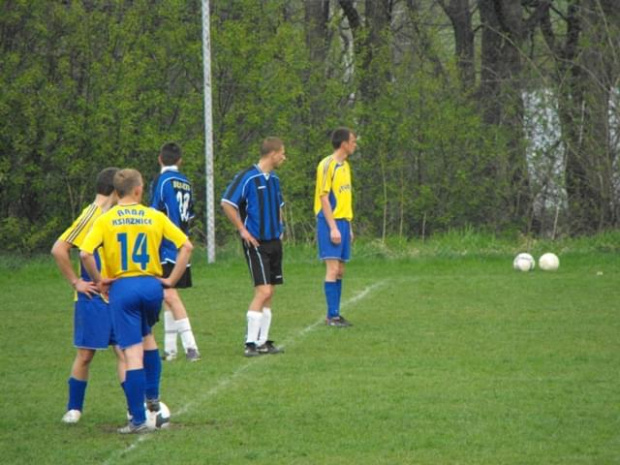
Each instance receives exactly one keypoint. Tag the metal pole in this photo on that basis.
(209, 198)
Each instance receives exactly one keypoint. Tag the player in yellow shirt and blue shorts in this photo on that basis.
(333, 207)
(92, 322)
(130, 235)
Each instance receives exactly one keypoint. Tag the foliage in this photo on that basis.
(87, 85)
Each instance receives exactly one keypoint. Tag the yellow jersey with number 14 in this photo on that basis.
(130, 236)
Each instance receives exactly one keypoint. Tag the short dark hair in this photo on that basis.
(339, 136)
(105, 181)
(126, 180)
(270, 144)
(170, 153)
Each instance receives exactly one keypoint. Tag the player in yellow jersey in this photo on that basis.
(92, 322)
(333, 207)
(130, 235)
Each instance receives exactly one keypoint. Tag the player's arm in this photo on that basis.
(334, 232)
(183, 255)
(324, 187)
(88, 260)
(61, 251)
(233, 215)
(102, 284)
(87, 254)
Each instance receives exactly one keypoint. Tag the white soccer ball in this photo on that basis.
(549, 262)
(159, 419)
(524, 262)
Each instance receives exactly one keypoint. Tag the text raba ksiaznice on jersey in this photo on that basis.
(131, 216)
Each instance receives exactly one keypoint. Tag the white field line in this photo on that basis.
(242, 369)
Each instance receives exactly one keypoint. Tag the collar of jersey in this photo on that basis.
(169, 168)
(261, 171)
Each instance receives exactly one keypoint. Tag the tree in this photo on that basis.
(586, 74)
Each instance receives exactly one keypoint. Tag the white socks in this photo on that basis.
(254, 323)
(170, 333)
(265, 324)
(173, 328)
(258, 326)
(187, 336)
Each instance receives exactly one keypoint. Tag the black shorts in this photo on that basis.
(184, 281)
(265, 262)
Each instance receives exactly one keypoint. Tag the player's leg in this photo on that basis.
(331, 255)
(182, 324)
(265, 322)
(135, 304)
(152, 372)
(151, 304)
(135, 387)
(120, 363)
(339, 276)
(262, 294)
(332, 274)
(170, 326)
(273, 250)
(92, 331)
(170, 335)
(337, 256)
(77, 384)
(257, 266)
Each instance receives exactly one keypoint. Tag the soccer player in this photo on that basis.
(333, 207)
(253, 204)
(172, 194)
(130, 235)
(92, 322)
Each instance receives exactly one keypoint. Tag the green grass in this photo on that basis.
(454, 359)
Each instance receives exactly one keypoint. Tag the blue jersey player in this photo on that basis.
(92, 323)
(253, 202)
(172, 194)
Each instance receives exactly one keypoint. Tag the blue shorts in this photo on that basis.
(327, 249)
(92, 324)
(135, 303)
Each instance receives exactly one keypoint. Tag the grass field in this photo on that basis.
(453, 359)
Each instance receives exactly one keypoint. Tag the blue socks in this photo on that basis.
(152, 371)
(77, 391)
(332, 295)
(135, 384)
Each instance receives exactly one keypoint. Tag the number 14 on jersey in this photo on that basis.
(139, 254)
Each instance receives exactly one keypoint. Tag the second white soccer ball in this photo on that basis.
(549, 262)
(524, 262)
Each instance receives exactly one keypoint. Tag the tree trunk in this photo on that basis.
(460, 16)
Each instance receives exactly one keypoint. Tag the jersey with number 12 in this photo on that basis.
(130, 236)
(172, 194)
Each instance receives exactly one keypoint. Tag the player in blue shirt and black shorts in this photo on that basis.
(253, 203)
(172, 194)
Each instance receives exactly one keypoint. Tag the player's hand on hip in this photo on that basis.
(248, 238)
(334, 236)
(86, 287)
(104, 287)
